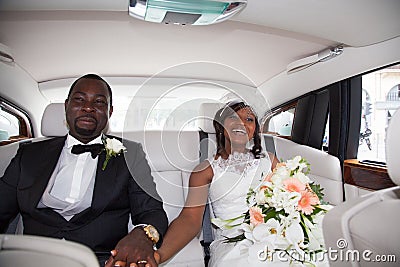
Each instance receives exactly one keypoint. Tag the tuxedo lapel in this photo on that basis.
(104, 189)
(44, 156)
(105, 182)
(45, 162)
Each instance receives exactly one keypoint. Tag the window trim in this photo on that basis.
(25, 124)
(266, 119)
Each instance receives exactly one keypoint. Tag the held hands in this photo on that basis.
(157, 257)
(134, 250)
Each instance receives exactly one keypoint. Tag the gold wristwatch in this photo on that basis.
(152, 233)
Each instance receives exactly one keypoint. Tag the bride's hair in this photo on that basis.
(218, 123)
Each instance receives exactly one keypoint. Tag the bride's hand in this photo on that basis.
(157, 257)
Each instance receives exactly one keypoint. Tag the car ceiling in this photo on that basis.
(57, 39)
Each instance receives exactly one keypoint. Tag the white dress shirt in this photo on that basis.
(74, 172)
(70, 189)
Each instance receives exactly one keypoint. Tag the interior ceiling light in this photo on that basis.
(185, 12)
(306, 62)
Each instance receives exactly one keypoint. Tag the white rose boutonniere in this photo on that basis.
(113, 148)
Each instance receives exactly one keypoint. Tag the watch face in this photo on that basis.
(152, 233)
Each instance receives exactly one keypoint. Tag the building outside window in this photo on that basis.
(381, 98)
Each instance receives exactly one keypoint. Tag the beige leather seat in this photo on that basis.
(366, 230)
(36, 251)
(172, 155)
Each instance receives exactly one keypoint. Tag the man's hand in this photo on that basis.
(134, 250)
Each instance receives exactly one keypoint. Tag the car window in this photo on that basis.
(380, 99)
(325, 140)
(9, 124)
(176, 110)
(14, 124)
(281, 123)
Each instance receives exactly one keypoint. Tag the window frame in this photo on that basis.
(360, 174)
(266, 119)
(25, 124)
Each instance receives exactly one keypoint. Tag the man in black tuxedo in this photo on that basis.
(63, 189)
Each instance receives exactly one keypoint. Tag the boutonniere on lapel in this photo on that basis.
(113, 148)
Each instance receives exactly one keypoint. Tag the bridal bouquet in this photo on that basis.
(284, 220)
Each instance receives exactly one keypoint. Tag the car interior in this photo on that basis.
(43, 251)
(322, 76)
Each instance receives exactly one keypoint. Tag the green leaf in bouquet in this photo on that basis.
(250, 194)
(317, 190)
(227, 224)
(234, 239)
(268, 193)
(316, 210)
(304, 228)
(272, 213)
(308, 165)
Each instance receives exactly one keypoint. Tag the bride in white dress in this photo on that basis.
(225, 180)
(228, 191)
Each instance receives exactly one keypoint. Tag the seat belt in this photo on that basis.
(206, 228)
(269, 144)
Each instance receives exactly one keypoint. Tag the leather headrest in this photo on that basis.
(206, 116)
(53, 120)
(393, 148)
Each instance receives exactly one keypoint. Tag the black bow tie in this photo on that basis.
(94, 149)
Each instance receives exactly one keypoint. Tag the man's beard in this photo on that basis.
(84, 132)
